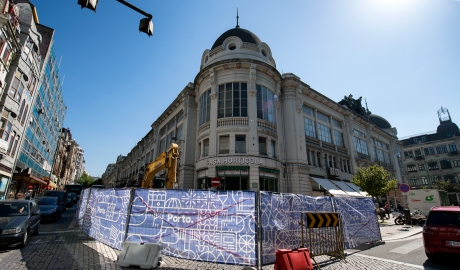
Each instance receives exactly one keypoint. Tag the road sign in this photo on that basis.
(215, 181)
(404, 188)
(319, 220)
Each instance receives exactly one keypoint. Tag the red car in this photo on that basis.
(441, 233)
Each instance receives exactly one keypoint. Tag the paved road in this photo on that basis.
(58, 247)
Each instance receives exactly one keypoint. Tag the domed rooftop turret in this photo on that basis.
(447, 129)
(243, 34)
(379, 121)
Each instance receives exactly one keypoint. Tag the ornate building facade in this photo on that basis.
(434, 155)
(254, 128)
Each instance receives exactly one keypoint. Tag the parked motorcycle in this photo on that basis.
(417, 217)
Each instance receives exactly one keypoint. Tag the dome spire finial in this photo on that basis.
(237, 17)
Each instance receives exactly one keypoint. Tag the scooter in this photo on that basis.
(417, 217)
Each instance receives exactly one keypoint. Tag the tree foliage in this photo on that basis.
(445, 185)
(375, 180)
(85, 180)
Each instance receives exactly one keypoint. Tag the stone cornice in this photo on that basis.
(235, 64)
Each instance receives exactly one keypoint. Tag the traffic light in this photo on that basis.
(146, 26)
(91, 4)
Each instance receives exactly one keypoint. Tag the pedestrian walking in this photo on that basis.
(387, 209)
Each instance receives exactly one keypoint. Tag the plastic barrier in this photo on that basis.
(146, 256)
(297, 259)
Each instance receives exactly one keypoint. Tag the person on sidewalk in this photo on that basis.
(387, 209)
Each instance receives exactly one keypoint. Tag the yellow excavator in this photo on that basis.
(167, 159)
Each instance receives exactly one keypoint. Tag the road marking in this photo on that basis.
(404, 249)
(55, 232)
(396, 262)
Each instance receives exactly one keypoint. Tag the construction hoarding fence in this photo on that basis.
(226, 227)
(322, 233)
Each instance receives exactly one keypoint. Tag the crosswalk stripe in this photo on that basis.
(404, 249)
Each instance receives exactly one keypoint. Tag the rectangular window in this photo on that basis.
(336, 123)
(453, 148)
(457, 162)
(421, 167)
(5, 129)
(338, 138)
(423, 139)
(418, 153)
(431, 151)
(414, 182)
(445, 164)
(380, 155)
(6, 54)
(240, 144)
(427, 151)
(449, 178)
(387, 157)
(205, 107)
(310, 129)
(437, 178)
(321, 116)
(360, 146)
(444, 149)
(272, 148)
(324, 133)
(205, 147)
(359, 133)
(438, 149)
(411, 168)
(224, 144)
(424, 180)
(415, 140)
(433, 166)
(265, 103)
(262, 146)
(308, 110)
(232, 100)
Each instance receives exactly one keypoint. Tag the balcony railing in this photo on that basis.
(234, 121)
(266, 125)
(203, 127)
(419, 157)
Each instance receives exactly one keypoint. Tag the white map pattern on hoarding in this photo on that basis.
(360, 223)
(105, 215)
(203, 225)
(280, 214)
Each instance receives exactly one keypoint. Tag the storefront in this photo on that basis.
(24, 183)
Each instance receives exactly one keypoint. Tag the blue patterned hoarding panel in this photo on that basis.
(202, 225)
(280, 213)
(81, 210)
(360, 223)
(105, 215)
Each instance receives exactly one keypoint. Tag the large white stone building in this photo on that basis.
(256, 129)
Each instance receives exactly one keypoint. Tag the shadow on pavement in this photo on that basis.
(447, 262)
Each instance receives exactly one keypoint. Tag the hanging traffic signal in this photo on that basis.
(146, 26)
(91, 4)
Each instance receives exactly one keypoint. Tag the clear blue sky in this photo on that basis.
(402, 56)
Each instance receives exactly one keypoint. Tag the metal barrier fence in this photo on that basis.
(225, 227)
(323, 234)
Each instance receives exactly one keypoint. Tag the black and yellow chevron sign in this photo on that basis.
(319, 220)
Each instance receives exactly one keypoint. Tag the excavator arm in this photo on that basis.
(167, 159)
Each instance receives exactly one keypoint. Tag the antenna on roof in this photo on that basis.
(365, 100)
(237, 17)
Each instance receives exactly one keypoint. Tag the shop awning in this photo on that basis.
(51, 184)
(28, 178)
(356, 188)
(347, 189)
(330, 187)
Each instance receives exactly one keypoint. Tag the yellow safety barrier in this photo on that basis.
(323, 232)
